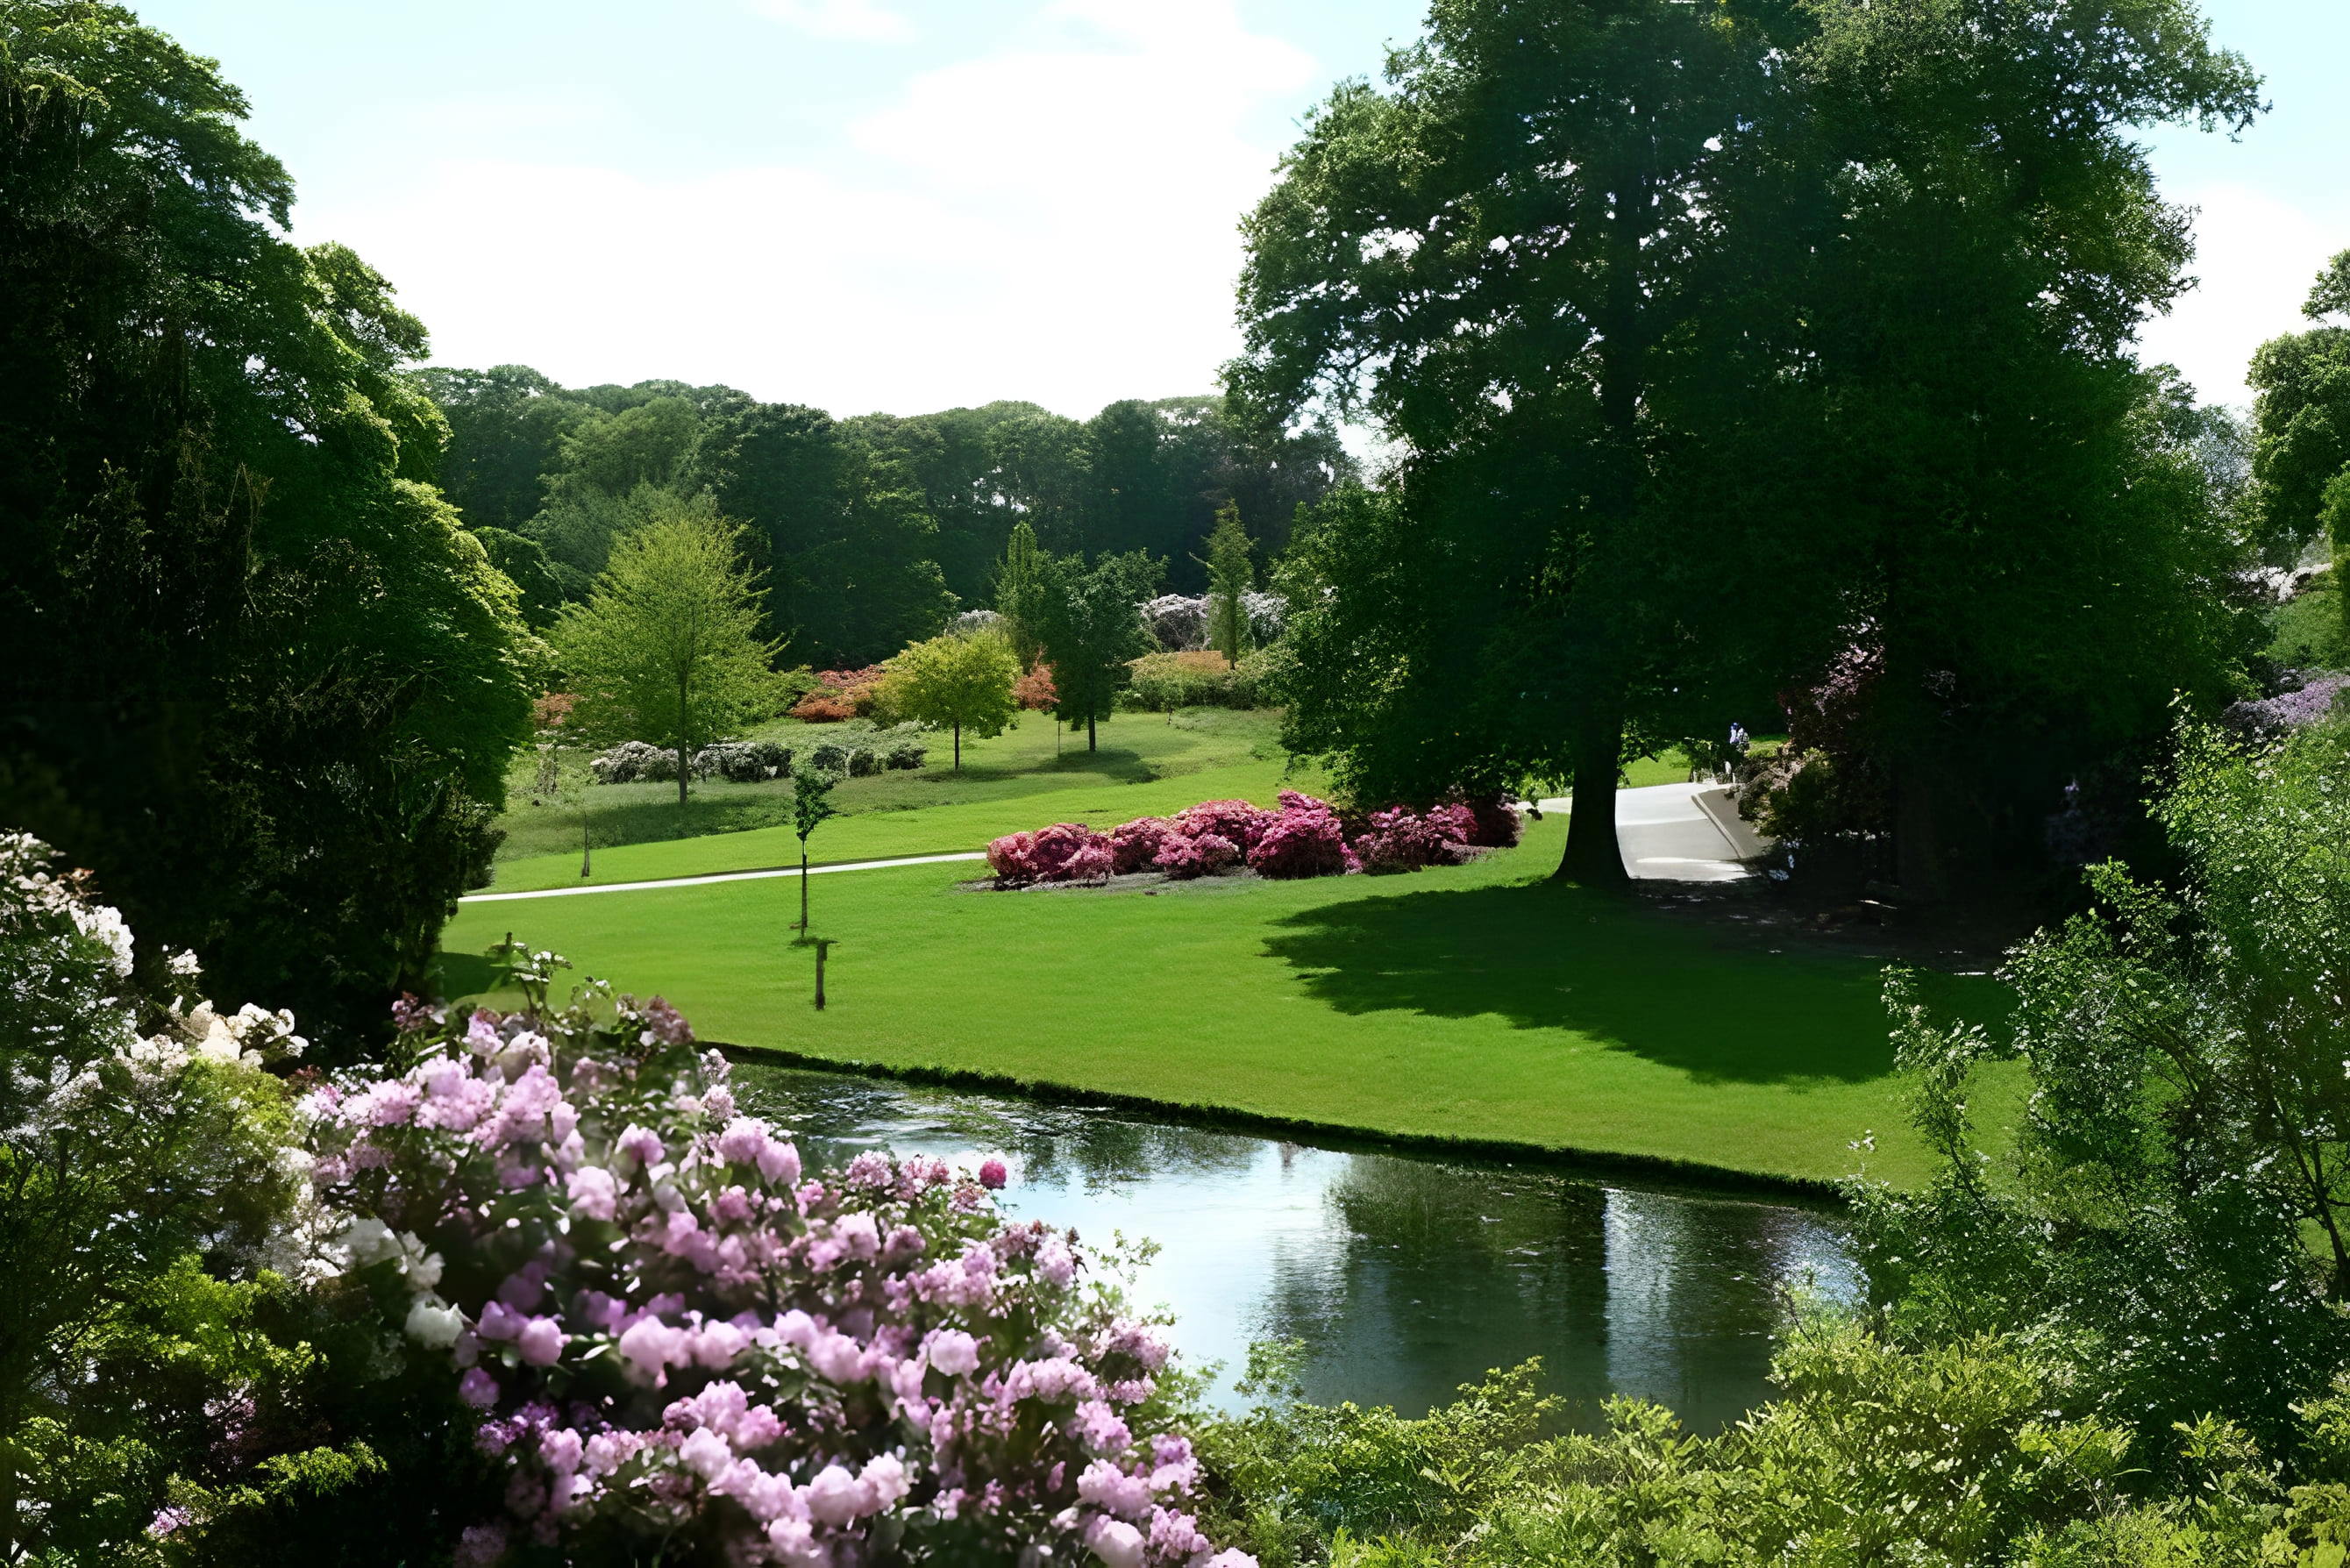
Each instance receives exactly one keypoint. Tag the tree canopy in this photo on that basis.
(1663, 303)
(257, 676)
(1088, 621)
(666, 647)
(962, 682)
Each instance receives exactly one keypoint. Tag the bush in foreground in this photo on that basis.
(681, 1344)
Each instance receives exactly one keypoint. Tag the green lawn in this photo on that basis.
(1479, 1002)
(1145, 765)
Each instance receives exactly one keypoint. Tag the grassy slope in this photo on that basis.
(1016, 780)
(1478, 1002)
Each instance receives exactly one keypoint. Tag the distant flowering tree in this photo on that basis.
(687, 1348)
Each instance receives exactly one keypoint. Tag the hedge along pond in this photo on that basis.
(1404, 1275)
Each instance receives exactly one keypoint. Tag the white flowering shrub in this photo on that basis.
(147, 1163)
(686, 1347)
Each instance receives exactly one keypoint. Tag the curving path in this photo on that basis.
(1671, 833)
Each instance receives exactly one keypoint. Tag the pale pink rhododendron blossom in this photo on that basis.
(674, 1335)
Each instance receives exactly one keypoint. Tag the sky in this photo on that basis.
(905, 205)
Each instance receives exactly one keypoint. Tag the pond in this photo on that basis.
(1404, 1275)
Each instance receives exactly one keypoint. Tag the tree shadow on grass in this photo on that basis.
(1109, 764)
(1547, 956)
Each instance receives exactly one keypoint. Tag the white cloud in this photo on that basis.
(1055, 220)
(855, 21)
(2257, 258)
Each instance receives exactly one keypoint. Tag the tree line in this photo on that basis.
(868, 532)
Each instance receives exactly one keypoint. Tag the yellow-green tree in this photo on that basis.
(965, 682)
(667, 650)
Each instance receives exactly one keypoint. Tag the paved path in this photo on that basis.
(1668, 831)
(721, 877)
(1669, 835)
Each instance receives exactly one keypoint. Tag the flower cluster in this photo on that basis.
(1034, 691)
(1134, 845)
(1182, 856)
(1401, 839)
(1306, 837)
(1065, 852)
(673, 1332)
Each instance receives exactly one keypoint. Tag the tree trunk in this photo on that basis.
(1595, 858)
(1916, 838)
(803, 885)
(958, 767)
(681, 690)
(587, 843)
(1089, 733)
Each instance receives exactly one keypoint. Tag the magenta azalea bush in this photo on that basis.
(1235, 821)
(1306, 839)
(682, 1345)
(1065, 852)
(1134, 845)
(1400, 839)
(1183, 855)
(1496, 822)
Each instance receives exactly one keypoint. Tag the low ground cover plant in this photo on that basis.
(1305, 836)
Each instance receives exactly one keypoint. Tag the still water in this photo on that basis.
(1405, 1275)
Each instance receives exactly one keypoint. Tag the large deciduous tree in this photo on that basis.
(251, 671)
(2300, 432)
(667, 647)
(1521, 261)
(2004, 517)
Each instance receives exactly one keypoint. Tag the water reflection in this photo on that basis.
(1406, 1276)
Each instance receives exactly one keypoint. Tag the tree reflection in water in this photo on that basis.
(1404, 1275)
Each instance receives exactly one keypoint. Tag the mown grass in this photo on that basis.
(1013, 781)
(1147, 764)
(1479, 1002)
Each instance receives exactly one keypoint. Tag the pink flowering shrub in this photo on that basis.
(1306, 839)
(1496, 824)
(1134, 845)
(1185, 855)
(684, 1346)
(1235, 821)
(1401, 839)
(1065, 852)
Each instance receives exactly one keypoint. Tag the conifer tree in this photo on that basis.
(1230, 577)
